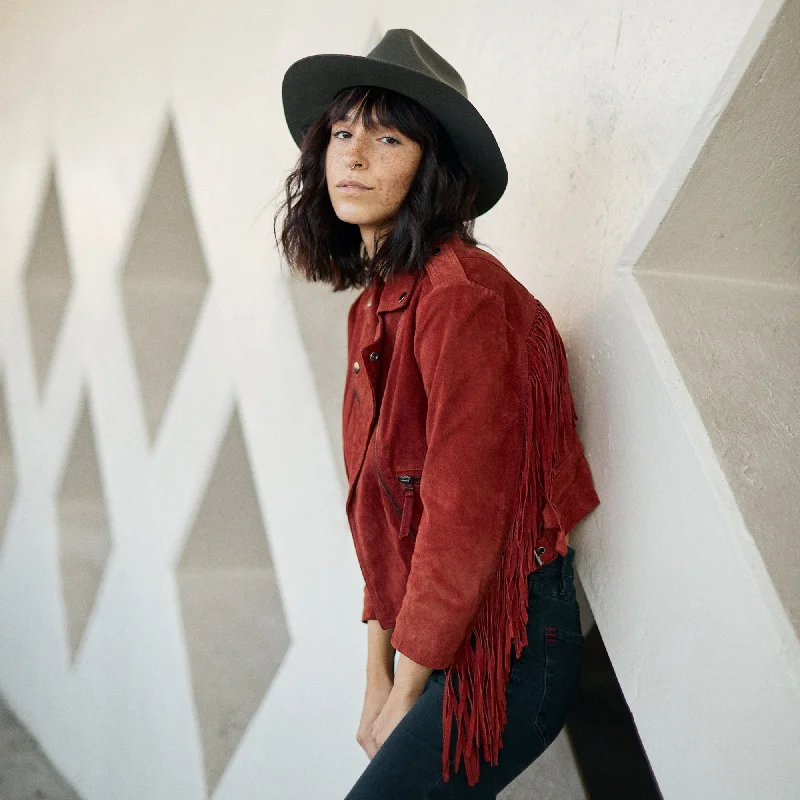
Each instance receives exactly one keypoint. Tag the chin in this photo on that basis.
(352, 216)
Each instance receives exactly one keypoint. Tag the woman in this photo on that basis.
(464, 466)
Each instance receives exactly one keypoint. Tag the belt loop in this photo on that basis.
(562, 578)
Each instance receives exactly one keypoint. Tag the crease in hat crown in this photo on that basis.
(404, 47)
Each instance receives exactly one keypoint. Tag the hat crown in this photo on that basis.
(405, 48)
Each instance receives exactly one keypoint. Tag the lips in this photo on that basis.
(351, 185)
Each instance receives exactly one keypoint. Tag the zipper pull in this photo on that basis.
(408, 503)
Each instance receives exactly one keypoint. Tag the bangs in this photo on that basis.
(377, 107)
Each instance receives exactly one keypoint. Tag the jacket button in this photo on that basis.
(373, 356)
(400, 299)
(356, 366)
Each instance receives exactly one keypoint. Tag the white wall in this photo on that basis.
(597, 108)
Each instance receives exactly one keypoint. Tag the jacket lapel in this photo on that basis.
(395, 296)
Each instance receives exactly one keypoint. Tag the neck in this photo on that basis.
(371, 237)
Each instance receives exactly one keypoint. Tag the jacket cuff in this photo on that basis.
(417, 650)
(367, 612)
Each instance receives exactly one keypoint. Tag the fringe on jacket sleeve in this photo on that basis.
(482, 663)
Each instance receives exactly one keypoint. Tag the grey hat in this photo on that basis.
(401, 61)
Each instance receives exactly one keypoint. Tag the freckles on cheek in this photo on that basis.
(394, 188)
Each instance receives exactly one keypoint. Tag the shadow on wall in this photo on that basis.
(233, 616)
(83, 535)
(164, 283)
(603, 733)
(234, 624)
(721, 275)
(8, 481)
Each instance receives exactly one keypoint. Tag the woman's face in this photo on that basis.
(383, 160)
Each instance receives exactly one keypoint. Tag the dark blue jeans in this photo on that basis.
(541, 687)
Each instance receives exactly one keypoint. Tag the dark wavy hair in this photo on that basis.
(440, 201)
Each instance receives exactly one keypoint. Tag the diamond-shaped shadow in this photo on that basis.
(7, 475)
(722, 277)
(233, 618)
(47, 282)
(163, 283)
(322, 321)
(83, 536)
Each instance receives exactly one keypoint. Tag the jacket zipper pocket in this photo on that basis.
(405, 519)
(408, 482)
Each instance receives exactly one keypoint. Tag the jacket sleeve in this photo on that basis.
(368, 612)
(471, 471)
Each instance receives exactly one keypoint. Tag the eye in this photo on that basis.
(394, 140)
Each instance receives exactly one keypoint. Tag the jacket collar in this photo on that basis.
(397, 291)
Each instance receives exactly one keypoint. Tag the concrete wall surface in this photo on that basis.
(171, 480)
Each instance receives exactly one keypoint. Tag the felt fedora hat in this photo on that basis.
(404, 62)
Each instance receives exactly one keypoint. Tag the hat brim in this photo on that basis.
(311, 83)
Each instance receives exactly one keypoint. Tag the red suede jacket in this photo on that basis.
(465, 472)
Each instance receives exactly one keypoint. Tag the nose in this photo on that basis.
(355, 152)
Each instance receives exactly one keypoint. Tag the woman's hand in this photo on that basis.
(408, 684)
(388, 698)
(397, 705)
(375, 699)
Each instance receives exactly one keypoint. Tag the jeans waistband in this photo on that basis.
(560, 565)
